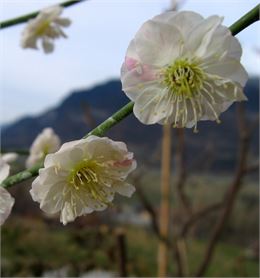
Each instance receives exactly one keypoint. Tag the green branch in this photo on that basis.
(25, 18)
(245, 21)
(22, 176)
(100, 130)
(113, 120)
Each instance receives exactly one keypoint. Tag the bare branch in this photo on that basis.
(231, 194)
(196, 216)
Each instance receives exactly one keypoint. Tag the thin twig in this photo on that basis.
(196, 216)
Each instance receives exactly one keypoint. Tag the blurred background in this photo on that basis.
(214, 198)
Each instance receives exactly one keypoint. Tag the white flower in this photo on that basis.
(47, 26)
(46, 142)
(83, 176)
(6, 201)
(181, 68)
(9, 157)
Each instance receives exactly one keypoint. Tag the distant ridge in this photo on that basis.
(81, 110)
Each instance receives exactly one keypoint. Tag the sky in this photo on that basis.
(32, 82)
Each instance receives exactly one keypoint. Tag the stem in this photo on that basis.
(245, 21)
(113, 120)
(22, 176)
(25, 18)
(100, 130)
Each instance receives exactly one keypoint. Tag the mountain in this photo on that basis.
(82, 110)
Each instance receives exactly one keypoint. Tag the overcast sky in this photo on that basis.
(31, 81)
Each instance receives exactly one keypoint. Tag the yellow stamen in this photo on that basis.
(184, 78)
(84, 175)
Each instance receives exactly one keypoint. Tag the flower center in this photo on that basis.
(84, 176)
(41, 30)
(184, 78)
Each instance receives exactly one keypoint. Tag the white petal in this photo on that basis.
(65, 22)
(131, 51)
(46, 142)
(228, 68)
(201, 35)
(124, 189)
(4, 170)
(233, 47)
(64, 159)
(103, 149)
(53, 200)
(42, 184)
(69, 145)
(47, 45)
(9, 157)
(51, 13)
(58, 158)
(158, 44)
(136, 80)
(6, 204)
(150, 106)
(29, 41)
(223, 45)
(67, 213)
(183, 20)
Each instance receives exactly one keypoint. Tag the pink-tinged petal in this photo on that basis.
(123, 163)
(130, 63)
(136, 80)
(141, 71)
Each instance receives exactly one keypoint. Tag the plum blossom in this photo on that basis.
(46, 26)
(6, 200)
(82, 177)
(181, 68)
(46, 142)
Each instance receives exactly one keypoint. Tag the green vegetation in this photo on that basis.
(31, 245)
